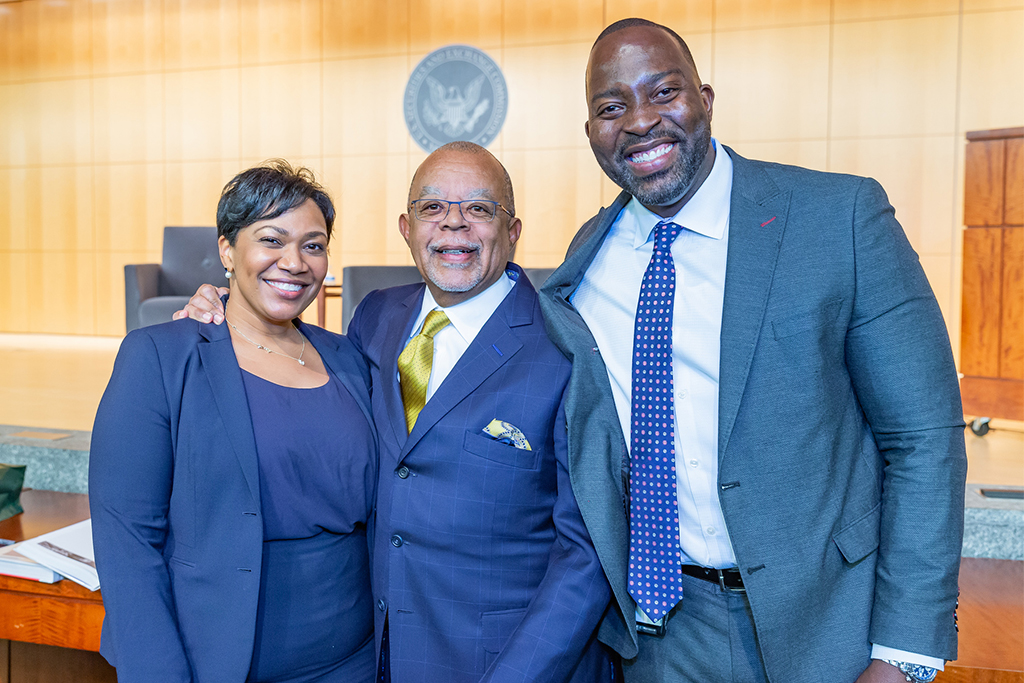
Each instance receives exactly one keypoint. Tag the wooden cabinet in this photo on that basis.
(992, 322)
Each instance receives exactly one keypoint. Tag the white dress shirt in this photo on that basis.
(466, 319)
(607, 300)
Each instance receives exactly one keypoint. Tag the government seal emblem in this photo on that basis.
(455, 93)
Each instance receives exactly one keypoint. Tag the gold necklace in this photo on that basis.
(270, 350)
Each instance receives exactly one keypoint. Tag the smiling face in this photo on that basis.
(277, 265)
(456, 258)
(649, 119)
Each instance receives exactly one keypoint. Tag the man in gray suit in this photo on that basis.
(765, 429)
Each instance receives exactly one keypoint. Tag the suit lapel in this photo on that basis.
(757, 221)
(493, 346)
(225, 378)
(392, 342)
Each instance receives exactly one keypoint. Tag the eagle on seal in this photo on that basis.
(449, 109)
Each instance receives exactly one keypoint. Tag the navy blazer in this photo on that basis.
(840, 432)
(175, 499)
(481, 560)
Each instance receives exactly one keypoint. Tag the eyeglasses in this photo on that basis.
(473, 210)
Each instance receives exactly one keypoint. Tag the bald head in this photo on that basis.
(632, 22)
(474, 150)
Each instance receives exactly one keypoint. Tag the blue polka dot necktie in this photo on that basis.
(655, 577)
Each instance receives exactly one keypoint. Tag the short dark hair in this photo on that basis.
(636, 21)
(267, 191)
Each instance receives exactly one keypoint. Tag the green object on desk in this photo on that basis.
(11, 479)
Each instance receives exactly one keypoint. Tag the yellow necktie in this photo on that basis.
(414, 366)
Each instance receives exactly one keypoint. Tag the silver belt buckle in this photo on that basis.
(645, 626)
(721, 584)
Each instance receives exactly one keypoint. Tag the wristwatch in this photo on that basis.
(915, 673)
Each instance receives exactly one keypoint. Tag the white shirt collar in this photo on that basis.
(469, 316)
(706, 213)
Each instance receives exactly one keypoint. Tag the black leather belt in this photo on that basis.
(728, 579)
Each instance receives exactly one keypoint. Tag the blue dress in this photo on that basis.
(315, 613)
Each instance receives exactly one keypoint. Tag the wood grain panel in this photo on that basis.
(287, 131)
(433, 23)
(982, 295)
(109, 271)
(991, 614)
(1011, 358)
(5, 661)
(984, 164)
(127, 36)
(554, 120)
(1013, 195)
(791, 102)
(280, 31)
(531, 22)
(59, 36)
(31, 663)
(990, 78)
(63, 619)
(201, 33)
(15, 299)
(130, 207)
(365, 28)
(685, 18)
(908, 64)
(193, 190)
(960, 674)
(376, 126)
(203, 112)
(371, 192)
(863, 10)
(128, 112)
(59, 120)
(12, 124)
(740, 14)
(66, 209)
(1003, 398)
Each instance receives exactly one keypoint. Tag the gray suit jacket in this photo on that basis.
(841, 448)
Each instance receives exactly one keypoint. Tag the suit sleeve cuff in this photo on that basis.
(883, 652)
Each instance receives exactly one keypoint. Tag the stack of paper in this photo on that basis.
(67, 551)
(13, 563)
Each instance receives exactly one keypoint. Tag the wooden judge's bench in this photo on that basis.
(51, 633)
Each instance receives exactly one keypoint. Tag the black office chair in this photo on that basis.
(358, 281)
(152, 292)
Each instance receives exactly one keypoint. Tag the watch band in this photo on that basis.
(914, 673)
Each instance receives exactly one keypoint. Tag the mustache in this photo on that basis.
(659, 133)
(453, 243)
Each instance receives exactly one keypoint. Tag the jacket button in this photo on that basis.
(397, 541)
(380, 605)
(403, 472)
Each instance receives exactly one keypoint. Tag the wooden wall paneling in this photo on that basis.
(906, 63)
(864, 10)
(983, 199)
(130, 207)
(61, 33)
(371, 194)
(128, 115)
(290, 129)
(1013, 203)
(280, 31)
(434, 23)
(365, 28)
(193, 190)
(528, 22)
(31, 663)
(991, 54)
(109, 273)
(127, 36)
(993, 397)
(685, 18)
(362, 100)
(1011, 356)
(550, 109)
(5, 661)
(981, 297)
(201, 34)
(782, 74)
(740, 14)
(203, 110)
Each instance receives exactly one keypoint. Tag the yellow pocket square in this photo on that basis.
(507, 433)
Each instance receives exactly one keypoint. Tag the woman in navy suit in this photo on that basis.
(232, 469)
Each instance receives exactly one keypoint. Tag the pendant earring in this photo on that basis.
(227, 274)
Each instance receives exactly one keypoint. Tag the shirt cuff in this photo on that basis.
(883, 652)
